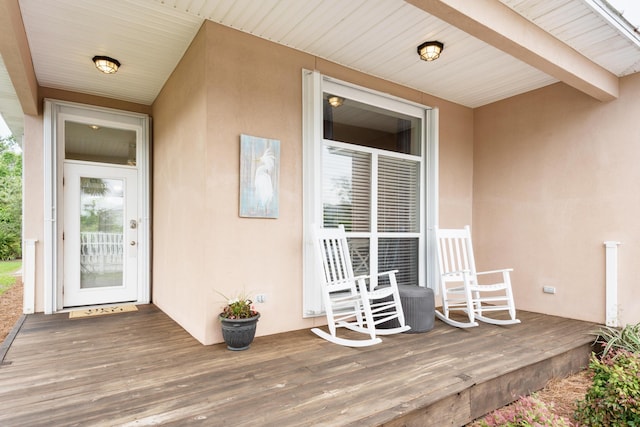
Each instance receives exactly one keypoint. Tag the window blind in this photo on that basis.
(346, 189)
(399, 254)
(398, 195)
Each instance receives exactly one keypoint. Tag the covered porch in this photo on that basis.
(141, 368)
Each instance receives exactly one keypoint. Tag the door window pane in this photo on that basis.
(371, 163)
(346, 188)
(398, 195)
(392, 203)
(93, 143)
(348, 198)
(359, 252)
(401, 255)
(357, 123)
(101, 232)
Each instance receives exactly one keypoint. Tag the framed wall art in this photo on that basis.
(259, 177)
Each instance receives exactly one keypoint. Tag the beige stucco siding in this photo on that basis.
(555, 175)
(230, 83)
(33, 202)
(182, 222)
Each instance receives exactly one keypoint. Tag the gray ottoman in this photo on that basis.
(418, 306)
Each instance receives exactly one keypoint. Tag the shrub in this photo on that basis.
(614, 397)
(525, 412)
(9, 246)
(627, 338)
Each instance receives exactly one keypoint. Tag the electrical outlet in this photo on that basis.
(261, 298)
(549, 289)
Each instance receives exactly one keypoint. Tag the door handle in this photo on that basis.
(133, 243)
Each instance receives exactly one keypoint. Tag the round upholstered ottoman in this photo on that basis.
(418, 306)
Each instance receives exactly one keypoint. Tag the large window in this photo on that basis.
(366, 168)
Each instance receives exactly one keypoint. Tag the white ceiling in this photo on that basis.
(377, 37)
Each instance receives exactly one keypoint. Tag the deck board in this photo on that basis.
(141, 368)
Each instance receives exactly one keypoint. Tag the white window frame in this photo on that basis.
(314, 85)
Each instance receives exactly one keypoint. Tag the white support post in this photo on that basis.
(611, 284)
(29, 276)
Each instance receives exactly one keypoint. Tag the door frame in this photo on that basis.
(55, 113)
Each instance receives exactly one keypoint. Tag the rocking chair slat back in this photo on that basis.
(348, 302)
(456, 255)
(460, 288)
(336, 262)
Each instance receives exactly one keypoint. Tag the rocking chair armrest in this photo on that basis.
(502, 270)
(387, 273)
(369, 276)
(456, 273)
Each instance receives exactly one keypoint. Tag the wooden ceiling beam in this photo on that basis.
(498, 25)
(16, 56)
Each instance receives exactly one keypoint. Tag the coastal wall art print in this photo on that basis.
(259, 176)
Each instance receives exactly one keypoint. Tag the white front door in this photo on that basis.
(97, 214)
(100, 238)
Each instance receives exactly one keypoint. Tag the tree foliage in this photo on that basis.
(10, 199)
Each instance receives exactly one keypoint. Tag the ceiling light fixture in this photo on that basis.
(430, 51)
(335, 101)
(106, 64)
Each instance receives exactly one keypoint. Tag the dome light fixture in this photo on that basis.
(106, 64)
(430, 51)
(335, 101)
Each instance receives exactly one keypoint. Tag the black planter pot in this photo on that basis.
(239, 333)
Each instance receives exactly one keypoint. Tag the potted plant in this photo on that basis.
(239, 319)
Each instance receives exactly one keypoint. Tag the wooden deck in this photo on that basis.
(141, 368)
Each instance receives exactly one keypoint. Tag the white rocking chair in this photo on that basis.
(349, 301)
(459, 284)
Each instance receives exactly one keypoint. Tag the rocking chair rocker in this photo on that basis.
(349, 301)
(459, 284)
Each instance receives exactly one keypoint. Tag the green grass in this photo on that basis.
(7, 270)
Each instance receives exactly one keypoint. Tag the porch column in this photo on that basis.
(29, 276)
(611, 282)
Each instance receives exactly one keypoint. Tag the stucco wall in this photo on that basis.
(182, 223)
(33, 201)
(555, 175)
(230, 83)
